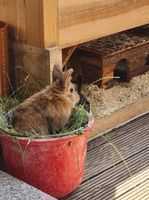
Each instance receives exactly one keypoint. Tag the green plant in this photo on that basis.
(8, 103)
(76, 123)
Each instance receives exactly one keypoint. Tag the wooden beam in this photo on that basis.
(67, 53)
(33, 22)
(108, 69)
(13, 13)
(64, 23)
(120, 117)
(54, 57)
(82, 20)
(50, 23)
(25, 20)
(28, 69)
(4, 89)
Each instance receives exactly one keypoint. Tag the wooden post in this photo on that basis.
(67, 53)
(54, 57)
(4, 90)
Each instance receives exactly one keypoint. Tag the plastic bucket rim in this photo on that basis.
(65, 137)
(89, 126)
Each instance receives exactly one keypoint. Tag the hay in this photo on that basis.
(104, 102)
(7, 103)
(76, 124)
(78, 120)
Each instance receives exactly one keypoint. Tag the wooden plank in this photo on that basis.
(50, 23)
(122, 145)
(25, 20)
(108, 69)
(4, 89)
(13, 13)
(127, 128)
(30, 68)
(139, 192)
(67, 53)
(81, 21)
(121, 116)
(34, 22)
(31, 22)
(125, 175)
(117, 169)
(54, 57)
(107, 78)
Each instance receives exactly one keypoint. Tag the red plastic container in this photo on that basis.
(55, 166)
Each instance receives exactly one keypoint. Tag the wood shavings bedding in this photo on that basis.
(104, 102)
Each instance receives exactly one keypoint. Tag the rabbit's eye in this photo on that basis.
(71, 90)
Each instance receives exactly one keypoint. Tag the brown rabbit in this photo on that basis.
(49, 110)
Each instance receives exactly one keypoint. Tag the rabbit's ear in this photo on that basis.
(69, 73)
(57, 73)
(61, 78)
(67, 76)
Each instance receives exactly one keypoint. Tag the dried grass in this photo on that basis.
(76, 124)
(104, 102)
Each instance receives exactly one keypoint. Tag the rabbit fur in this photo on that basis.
(48, 110)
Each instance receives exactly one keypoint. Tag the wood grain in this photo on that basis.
(67, 53)
(54, 57)
(16, 21)
(63, 23)
(82, 20)
(4, 89)
(34, 31)
(121, 116)
(25, 20)
(108, 69)
(82, 11)
(30, 68)
(50, 23)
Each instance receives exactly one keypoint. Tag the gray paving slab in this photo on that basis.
(14, 189)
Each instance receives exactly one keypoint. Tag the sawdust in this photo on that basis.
(104, 102)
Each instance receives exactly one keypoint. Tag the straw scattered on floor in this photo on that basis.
(104, 102)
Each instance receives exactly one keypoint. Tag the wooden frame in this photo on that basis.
(83, 20)
(124, 55)
(63, 23)
(4, 89)
(36, 25)
(120, 117)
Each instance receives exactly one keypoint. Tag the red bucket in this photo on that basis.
(55, 166)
